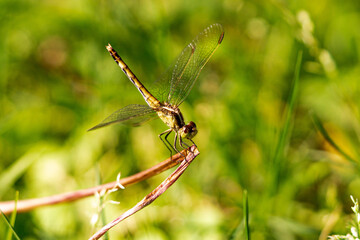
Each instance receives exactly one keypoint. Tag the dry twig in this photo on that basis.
(30, 204)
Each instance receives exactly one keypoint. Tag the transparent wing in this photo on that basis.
(133, 115)
(174, 86)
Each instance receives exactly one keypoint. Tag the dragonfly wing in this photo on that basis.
(161, 87)
(175, 84)
(191, 61)
(133, 115)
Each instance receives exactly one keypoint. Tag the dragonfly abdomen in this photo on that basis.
(149, 98)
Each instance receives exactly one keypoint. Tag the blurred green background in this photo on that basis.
(57, 80)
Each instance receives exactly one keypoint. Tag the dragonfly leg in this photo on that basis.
(175, 140)
(166, 142)
(174, 146)
(192, 142)
(182, 143)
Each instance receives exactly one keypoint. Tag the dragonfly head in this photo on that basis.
(188, 131)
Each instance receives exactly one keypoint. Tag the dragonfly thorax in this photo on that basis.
(171, 116)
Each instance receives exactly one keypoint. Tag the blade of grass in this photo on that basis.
(246, 215)
(101, 202)
(9, 224)
(13, 217)
(243, 227)
(285, 132)
(327, 137)
(235, 234)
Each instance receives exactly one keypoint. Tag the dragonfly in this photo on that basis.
(164, 96)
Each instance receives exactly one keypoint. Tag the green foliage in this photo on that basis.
(255, 132)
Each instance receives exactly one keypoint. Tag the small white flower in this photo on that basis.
(118, 184)
(97, 195)
(113, 190)
(101, 199)
(114, 202)
(354, 232)
(94, 219)
(102, 192)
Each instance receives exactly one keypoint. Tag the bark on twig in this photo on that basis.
(30, 204)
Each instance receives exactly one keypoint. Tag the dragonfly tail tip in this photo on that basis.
(108, 46)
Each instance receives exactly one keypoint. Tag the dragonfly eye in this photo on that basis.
(188, 131)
